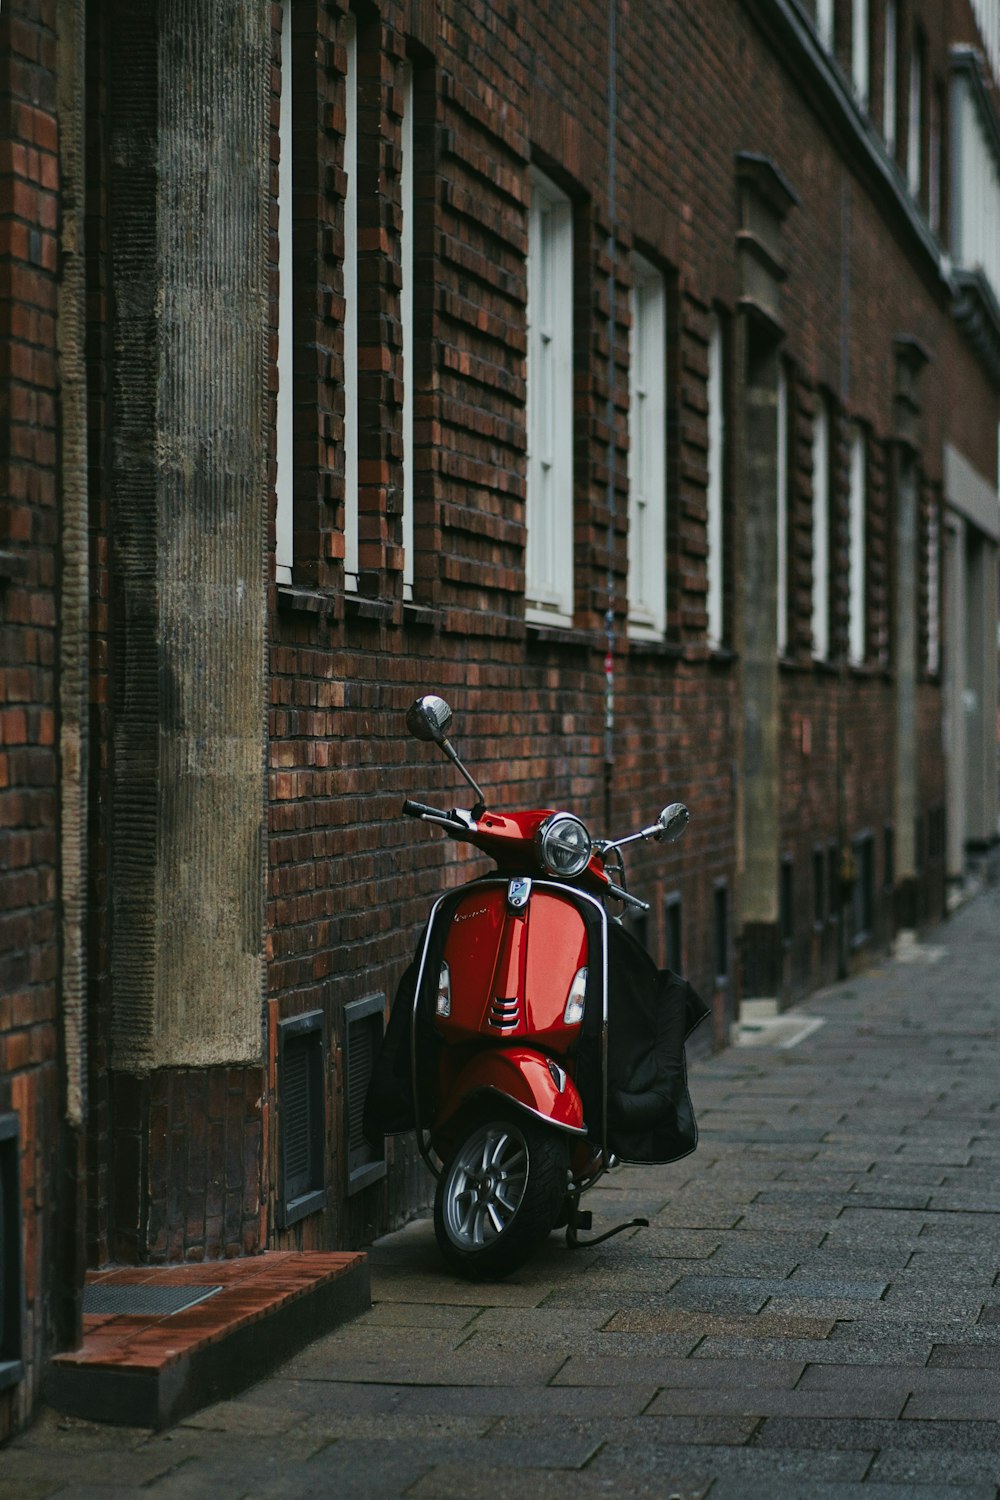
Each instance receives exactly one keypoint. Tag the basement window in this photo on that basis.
(786, 901)
(364, 1023)
(889, 857)
(819, 886)
(301, 1116)
(11, 1274)
(864, 887)
(721, 934)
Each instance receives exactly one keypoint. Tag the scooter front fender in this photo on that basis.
(527, 1078)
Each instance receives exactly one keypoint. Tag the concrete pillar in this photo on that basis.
(189, 192)
(954, 655)
(757, 648)
(970, 659)
(906, 635)
(980, 692)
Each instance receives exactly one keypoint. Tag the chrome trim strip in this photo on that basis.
(528, 1110)
(421, 1146)
(585, 896)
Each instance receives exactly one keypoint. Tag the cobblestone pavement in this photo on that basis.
(814, 1313)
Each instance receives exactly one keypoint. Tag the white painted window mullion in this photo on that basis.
(889, 79)
(549, 517)
(824, 22)
(860, 60)
(647, 470)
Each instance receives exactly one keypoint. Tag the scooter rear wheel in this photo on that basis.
(499, 1193)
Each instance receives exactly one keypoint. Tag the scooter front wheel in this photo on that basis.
(499, 1193)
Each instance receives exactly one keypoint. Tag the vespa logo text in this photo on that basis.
(466, 916)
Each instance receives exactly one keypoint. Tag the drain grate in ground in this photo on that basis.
(144, 1300)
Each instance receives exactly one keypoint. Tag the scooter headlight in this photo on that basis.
(563, 845)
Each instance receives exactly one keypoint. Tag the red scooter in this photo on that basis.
(533, 1043)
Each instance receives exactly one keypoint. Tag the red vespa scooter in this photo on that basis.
(533, 1042)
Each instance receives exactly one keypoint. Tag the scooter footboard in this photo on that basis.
(529, 1079)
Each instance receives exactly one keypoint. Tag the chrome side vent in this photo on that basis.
(504, 1015)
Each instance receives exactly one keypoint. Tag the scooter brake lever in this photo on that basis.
(620, 895)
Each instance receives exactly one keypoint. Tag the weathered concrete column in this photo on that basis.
(765, 200)
(954, 692)
(980, 696)
(189, 184)
(973, 533)
(905, 666)
(757, 645)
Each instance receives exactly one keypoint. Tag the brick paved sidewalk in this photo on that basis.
(814, 1313)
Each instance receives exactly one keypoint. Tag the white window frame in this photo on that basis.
(351, 308)
(858, 526)
(824, 22)
(549, 501)
(781, 512)
(715, 531)
(934, 163)
(974, 228)
(406, 319)
(821, 532)
(987, 13)
(647, 453)
(284, 531)
(914, 121)
(890, 64)
(860, 52)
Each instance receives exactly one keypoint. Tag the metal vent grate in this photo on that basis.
(364, 1023)
(142, 1299)
(301, 1116)
(504, 1015)
(295, 1113)
(365, 1036)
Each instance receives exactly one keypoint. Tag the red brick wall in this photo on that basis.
(29, 1076)
(349, 884)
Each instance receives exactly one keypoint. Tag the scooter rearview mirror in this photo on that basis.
(672, 822)
(429, 719)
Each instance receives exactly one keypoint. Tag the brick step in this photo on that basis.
(148, 1367)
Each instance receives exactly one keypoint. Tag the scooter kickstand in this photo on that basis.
(582, 1219)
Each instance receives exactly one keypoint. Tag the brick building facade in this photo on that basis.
(351, 353)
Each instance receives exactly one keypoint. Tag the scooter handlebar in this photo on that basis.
(427, 814)
(421, 810)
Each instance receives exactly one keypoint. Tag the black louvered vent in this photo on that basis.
(302, 1115)
(364, 1023)
(11, 1291)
